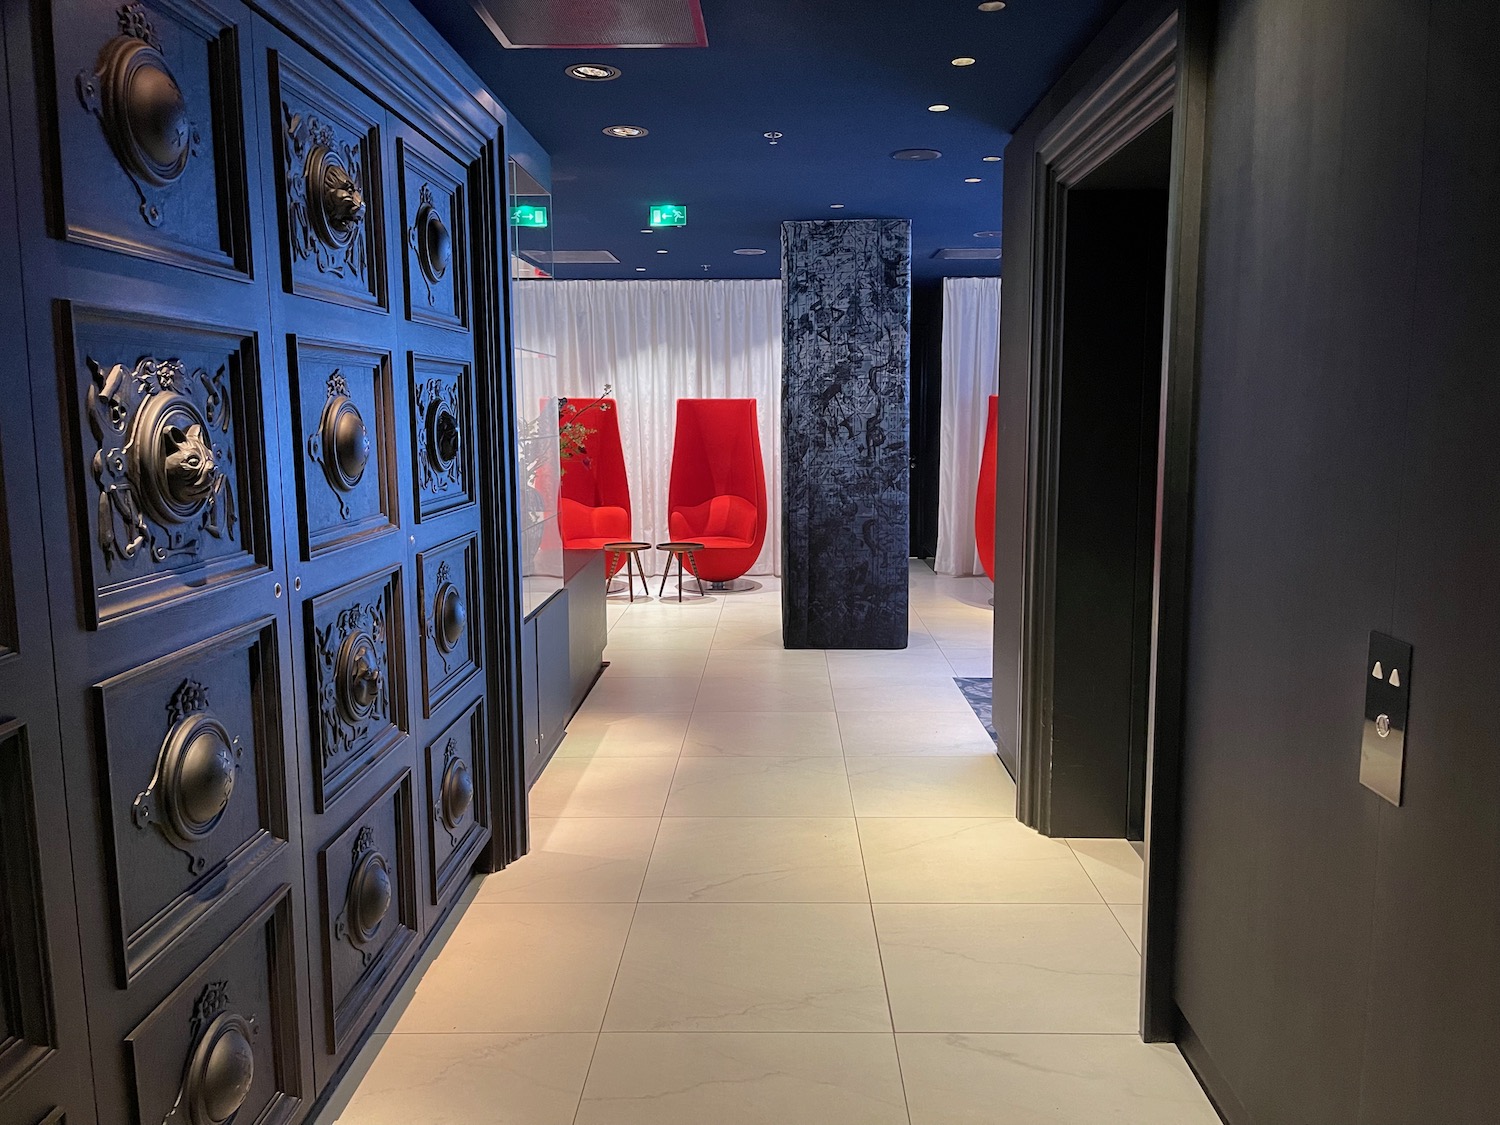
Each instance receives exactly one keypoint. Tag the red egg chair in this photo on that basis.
(593, 505)
(984, 500)
(717, 492)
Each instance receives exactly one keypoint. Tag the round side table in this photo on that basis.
(684, 554)
(632, 552)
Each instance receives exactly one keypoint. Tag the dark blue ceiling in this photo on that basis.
(846, 81)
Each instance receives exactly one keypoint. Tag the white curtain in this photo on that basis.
(655, 342)
(971, 373)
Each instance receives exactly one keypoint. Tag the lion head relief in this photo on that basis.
(343, 202)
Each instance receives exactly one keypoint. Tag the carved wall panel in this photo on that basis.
(223, 1046)
(9, 632)
(357, 681)
(169, 448)
(369, 887)
(196, 786)
(27, 1033)
(329, 191)
(151, 146)
(345, 476)
(448, 601)
(432, 223)
(457, 803)
(442, 428)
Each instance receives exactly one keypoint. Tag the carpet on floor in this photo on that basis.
(980, 692)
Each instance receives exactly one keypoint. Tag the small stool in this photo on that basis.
(632, 552)
(680, 552)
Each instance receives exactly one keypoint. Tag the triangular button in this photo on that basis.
(1379, 673)
(1395, 678)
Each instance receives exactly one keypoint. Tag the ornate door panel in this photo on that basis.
(371, 325)
(159, 475)
(44, 1068)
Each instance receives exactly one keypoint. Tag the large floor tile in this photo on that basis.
(781, 734)
(1129, 917)
(462, 1079)
(577, 859)
(1114, 866)
(1048, 1080)
(605, 734)
(1008, 968)
(642, 643)
(930, 786)
(971, 661)
(602, 787)
(927, 692)
(953, 859)
(733, 1079)
(756, 859)
(751, 967)
(929, 733)
(669, 663)
(780, 691)
(640, 694)
(523, 967)
(760, 786)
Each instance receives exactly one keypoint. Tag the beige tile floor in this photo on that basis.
(783, 888)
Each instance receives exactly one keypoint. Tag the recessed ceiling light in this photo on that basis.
(640, 269)
(661, 251)
(749, 251)
(963, 60)
(593, 72)
(939, 107)
(628, 132)
(836, 206)
(973, 180)
(648, 230)
(916, 154)
(992, 160)
(992, 5)
(986, 234)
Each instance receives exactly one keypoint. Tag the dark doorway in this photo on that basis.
(926, 414)
(1109, 367)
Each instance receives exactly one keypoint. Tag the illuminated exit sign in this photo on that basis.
(668, 215)
(528, 215)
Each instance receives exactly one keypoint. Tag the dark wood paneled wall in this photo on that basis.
(1338, 955)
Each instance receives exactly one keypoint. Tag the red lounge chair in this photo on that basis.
(984, 500)
(717, 492)
(593, 506)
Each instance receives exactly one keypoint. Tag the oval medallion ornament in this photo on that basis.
(336, 201)
(141, 109)
(458, 792)
(451, 616)
(173, 464)
(195, 775)
(433, 242)
(369, 896)
(342, 443)
(220, 1071)
(358, 677)
(443, 440)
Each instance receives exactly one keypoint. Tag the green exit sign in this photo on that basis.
(668, 215)
(528, 215)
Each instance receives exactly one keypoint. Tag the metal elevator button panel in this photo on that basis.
(1382, 756)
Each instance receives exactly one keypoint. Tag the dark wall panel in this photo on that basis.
(1336, 957)
(846, 334)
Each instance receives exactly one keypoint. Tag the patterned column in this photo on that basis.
(845, 538)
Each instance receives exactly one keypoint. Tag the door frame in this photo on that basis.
(1165, 74)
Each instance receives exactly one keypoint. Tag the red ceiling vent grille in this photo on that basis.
(595, 23)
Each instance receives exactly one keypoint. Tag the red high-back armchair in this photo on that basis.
(984, 500)
(593, 505)
(717, 492)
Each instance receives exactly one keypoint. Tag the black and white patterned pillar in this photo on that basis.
(844, 414)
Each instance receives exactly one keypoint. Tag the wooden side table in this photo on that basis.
(683, 553)
(632, 552)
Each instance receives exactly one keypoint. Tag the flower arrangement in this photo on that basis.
(572, 434)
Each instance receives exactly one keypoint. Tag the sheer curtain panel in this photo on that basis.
(971, 373)
(655, 342)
